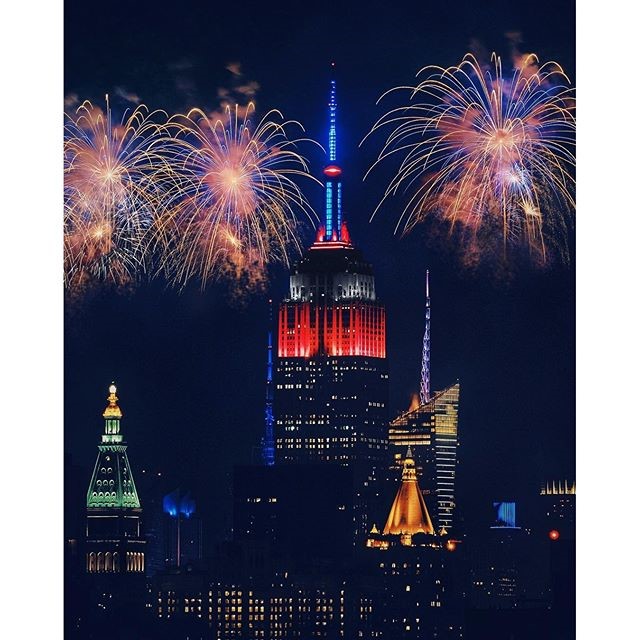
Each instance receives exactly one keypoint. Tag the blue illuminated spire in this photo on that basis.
(333, 107)
(268, 444)
(332, 172)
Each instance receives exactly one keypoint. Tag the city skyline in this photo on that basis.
(457, 350)
(474, 390)
(190, 367)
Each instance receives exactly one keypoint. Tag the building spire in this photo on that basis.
(332, 172)
(112, 482)
(425, 378)
(268, 444)
(408, 514)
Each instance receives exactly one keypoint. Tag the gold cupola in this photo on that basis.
(112, 410)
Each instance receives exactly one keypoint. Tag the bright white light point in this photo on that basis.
(112, 388)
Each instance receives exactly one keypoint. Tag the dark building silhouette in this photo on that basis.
(300, 513)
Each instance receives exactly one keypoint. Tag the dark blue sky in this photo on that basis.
(190, 367)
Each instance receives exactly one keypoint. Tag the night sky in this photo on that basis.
(190, 367)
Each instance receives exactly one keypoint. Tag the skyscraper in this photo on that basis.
(430, 428)
(414, 590)
(114, 538)
(331, 376)
(331, 379)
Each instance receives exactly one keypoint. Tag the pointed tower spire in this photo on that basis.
(332, 172)
(268, 444)
(425, 378)
(114, 538)
(408, 514)
(112, 482)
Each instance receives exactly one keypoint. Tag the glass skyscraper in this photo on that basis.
(431, 430)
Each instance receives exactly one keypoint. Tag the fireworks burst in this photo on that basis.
(111, 194)
(234, 205)
(487, 152)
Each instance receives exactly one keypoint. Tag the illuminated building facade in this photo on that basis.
(431, 430)
(415, 594)
(331, 379)
(331, 390)
(409, 514)
(186, 605)
(114, 542)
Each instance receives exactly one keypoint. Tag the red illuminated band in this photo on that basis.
(350, 329)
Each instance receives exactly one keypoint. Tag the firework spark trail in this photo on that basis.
(111, 194)
(483, 151)
(234, 204)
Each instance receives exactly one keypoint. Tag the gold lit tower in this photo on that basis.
(409, 514)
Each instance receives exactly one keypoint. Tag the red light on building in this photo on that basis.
(332, 171)
(554, 534)
(348, 329)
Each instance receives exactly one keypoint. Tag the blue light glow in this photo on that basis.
(333, 217)
(505, 515)
(174, 503)
(329, 216)
(339, 208)
(333, 107)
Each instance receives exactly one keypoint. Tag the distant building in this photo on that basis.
(558, 500)
(414, 589)
(189, 605)
(558, 503)
(114, 543)
(431, 430)
(113, 588)
(300, 512)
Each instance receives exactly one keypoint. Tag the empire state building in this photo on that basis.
(331, 382)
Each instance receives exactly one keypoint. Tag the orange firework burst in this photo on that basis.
(111, 194)
(486, 152)
(234, 205)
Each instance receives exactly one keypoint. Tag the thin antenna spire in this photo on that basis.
(425, 378)
(333, 184)
(268, 444)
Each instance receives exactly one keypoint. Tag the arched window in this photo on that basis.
(142, 562)
(116, 561)
(91, 560)
(108, 561)
(100, 565)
